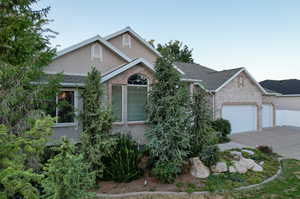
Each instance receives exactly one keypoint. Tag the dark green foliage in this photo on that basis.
(202, 133)
(121, 162)
(24, 51)
(210, 155)
(15, 177)
(223, 127)
(166, 172)
(265, 149)
(174, 51)
(168, 137)
(97, 123)
(67, 175)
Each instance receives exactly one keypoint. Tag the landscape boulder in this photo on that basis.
(220, 167)
(199, 170)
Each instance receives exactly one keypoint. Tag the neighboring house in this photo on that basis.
(126, 62)
(286, 98)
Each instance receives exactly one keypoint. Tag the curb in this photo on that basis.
(278, 173)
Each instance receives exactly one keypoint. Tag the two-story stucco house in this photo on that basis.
(126, 62)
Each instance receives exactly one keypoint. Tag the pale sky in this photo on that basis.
(260, 35)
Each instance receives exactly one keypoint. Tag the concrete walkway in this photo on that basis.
(284, 140)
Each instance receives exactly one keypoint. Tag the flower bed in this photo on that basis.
(188, 183)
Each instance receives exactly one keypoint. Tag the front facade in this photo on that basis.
(126, 62)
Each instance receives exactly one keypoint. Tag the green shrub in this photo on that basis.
(265, 149)
(224, 127)
(210, 155)
(166, 172)
(67, 175)
(121, 162)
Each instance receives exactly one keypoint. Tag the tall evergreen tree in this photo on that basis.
(168, 135)
(97, 123)
(202, 132)
(175, 51)
(24, 51)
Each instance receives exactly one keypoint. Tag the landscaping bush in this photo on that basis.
(169, 119)
(224, 127)
(203, 135)
(67, 175)
(265, 149)
(166, 172)
(210, 155)
(121, 162)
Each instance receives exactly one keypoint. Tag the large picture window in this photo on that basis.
(63, 107)
(128, 104)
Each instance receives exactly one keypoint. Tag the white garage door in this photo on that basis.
(267, 116)
(287, 118)
(243, 118)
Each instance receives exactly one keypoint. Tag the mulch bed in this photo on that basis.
(110, 187)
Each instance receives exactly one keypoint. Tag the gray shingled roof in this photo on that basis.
(68, 79)
(211, 79)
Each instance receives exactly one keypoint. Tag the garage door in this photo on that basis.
(243, 118)
(267, 116)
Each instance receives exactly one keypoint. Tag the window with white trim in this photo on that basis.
(96, 52)
(129, 101)
(64, 107)
(126, 40)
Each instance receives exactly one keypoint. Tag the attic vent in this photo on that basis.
(96, 52)
(126, 40)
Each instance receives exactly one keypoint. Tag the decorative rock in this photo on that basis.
(220, 167)
(240, 167)
(236, 155)
(248, 151)
(257, 168)
(248, 163)
(261, 163)
(232, 169)
(199, 170)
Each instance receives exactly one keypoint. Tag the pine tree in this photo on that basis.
(67, 175)
(97, 123)
(168, 135)
(24, 51)
(15, 178)
(202, 133)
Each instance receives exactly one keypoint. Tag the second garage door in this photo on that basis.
(243, 118)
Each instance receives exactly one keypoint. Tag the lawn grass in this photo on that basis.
(287, 186)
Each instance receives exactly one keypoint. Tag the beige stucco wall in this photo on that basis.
(232, 94)
(137, 49)
(79, 61)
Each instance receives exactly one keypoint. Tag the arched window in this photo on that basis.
(137, 79)
(137, 89)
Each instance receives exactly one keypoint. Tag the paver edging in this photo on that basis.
(278, 173)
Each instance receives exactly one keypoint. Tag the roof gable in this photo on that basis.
(137, 36)
(89, 41)
(212, 80)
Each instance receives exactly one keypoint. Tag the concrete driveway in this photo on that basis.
(284, 140)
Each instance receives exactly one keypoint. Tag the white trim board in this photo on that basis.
(128, 29)
(91, 40)
(126, 67)
(235, 75)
